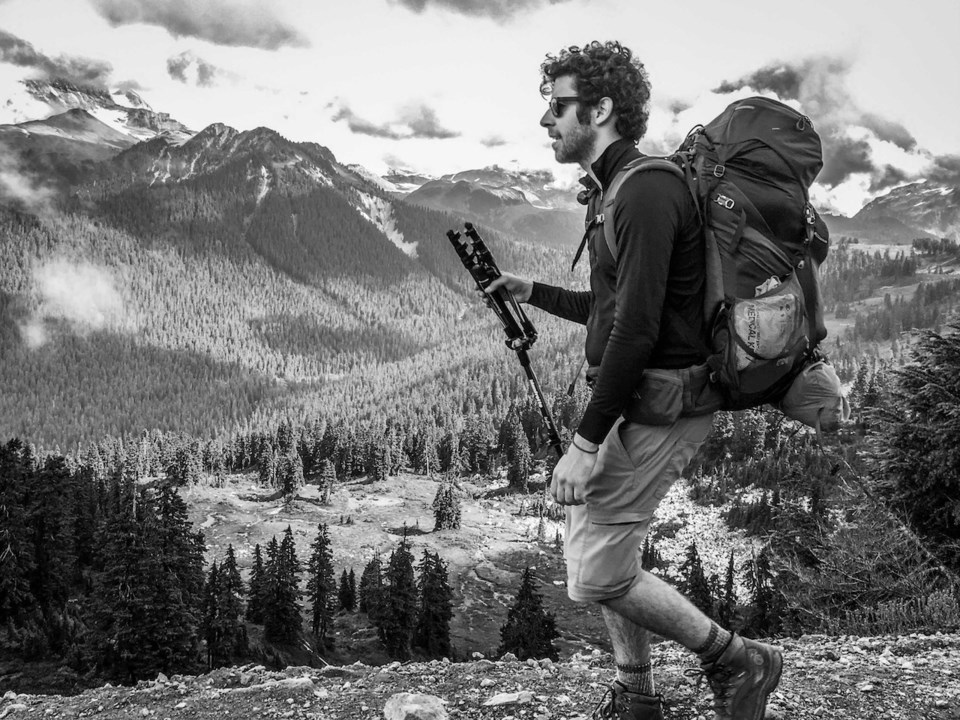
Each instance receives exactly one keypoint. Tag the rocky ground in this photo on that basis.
(914, 677)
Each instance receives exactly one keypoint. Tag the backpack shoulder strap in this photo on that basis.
(610, 195)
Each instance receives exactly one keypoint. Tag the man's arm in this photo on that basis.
(570, 305)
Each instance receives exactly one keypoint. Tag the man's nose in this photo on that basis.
(547, 119)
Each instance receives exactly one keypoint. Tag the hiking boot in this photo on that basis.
(618, 703)
(742, 678)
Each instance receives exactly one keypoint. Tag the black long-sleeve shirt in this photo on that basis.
(644, 308)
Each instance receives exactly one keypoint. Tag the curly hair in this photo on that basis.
(604, 70)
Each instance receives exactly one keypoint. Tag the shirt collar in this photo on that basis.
(610, 162)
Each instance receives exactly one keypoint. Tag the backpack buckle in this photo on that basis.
(718, 171)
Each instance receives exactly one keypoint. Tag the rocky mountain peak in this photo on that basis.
(928, 206)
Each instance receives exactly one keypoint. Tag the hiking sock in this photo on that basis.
(636, 678)
(716, 643)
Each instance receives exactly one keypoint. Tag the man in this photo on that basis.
(640, 304)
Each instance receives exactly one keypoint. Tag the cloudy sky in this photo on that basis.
(438, 86)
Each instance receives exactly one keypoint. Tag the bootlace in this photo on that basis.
(719, 680)
(606, 708)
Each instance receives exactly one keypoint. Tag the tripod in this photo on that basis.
(521, 334)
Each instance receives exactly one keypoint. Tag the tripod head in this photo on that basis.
(476, 258)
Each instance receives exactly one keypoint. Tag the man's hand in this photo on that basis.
(570, 476)
(519, 287)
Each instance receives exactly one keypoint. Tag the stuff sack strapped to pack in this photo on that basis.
(749, 171)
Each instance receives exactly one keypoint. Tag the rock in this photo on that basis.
(411, 706)
(517, 698)
(162, 679)
(10, 709)
(508, 657)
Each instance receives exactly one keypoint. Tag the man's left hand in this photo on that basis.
(570, 476)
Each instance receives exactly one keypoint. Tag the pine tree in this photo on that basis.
(519, 457)
(396, 616)
(146, 613)
(917, 447)
(290, 475)
(650, 558)
(371, 583)
(529, 631)
(231, 591)
(328, 478)
(765, 607)
(257, 588)
(728, 600)
(16, 552)
(281, 615)
(435, 607)
(446, 507)
(212, 631)
(347, 594)
(693, 581)
(321, 586)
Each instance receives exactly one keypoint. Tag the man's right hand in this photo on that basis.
(519, 287)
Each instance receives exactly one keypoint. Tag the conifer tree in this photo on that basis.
(16, 553)
(435, 607)
(328, 478)
(728, 599)
(347, 594)
(446, 507)
(257, 587)
(290, 475)
(650, 558)
(530, 630)
(231, 591)
(693, 581)
(371, 583)
(148, 604)
(321, 586)
(397, 611)
(212, 630)
(281, 615)
(765, 607)
(519, 457)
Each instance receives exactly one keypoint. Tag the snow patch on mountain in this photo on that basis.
(316, 174)
(264, 187)
(373, 178)
(380, 213)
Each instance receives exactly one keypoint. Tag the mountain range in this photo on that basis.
(90, 125)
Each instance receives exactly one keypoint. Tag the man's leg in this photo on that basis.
(658, 607)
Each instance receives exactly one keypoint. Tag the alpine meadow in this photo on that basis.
(253, 412)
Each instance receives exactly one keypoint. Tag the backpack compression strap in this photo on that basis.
(610, 196)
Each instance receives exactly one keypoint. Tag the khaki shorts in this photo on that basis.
(636, 466)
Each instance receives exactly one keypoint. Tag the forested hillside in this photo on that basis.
(242, 310)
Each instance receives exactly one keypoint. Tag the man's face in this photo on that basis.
(573, 142)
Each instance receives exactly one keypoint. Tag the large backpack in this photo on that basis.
(749, 171)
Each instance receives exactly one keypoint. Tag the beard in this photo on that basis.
(577, 145)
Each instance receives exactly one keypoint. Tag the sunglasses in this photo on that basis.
(557, 104)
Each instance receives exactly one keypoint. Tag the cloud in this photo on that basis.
(500, 10)
(16, 51)
(20, 189)
(493, 141)
(79, 294)
(946, 170)
(189, 68)
(418, 122)
(855, 143)
(217, 21)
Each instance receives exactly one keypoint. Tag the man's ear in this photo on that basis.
(603, 111)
